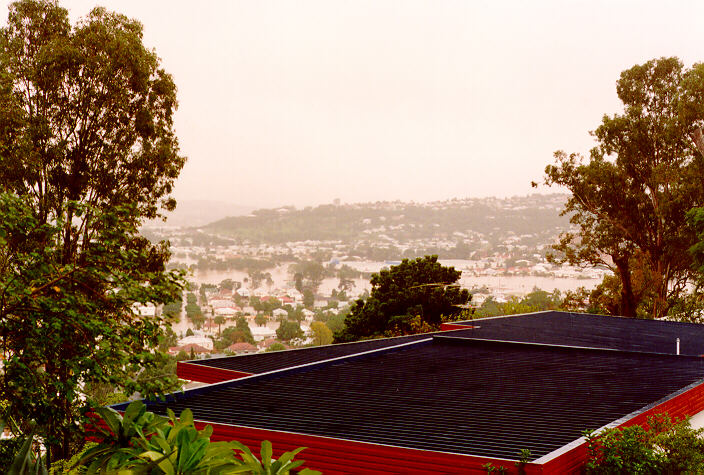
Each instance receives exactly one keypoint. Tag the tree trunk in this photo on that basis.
(628, 301)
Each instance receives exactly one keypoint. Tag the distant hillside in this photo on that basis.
(189, 213)
(535, 218)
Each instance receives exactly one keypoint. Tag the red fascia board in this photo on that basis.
(339, 456)
(455, 326)
(683, 404)
(206, 374)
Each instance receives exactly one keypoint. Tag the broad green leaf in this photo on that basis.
(186, 417)
(266, 453)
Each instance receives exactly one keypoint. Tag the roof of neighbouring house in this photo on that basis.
(188, 347)
(263, 362)
(241, 347)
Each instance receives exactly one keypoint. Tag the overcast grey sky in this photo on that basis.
(302, 102)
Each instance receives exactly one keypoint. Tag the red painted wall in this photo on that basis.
(206, 374)
(338, 457)
(455, 326)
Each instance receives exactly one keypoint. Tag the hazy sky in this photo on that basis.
(302, 102)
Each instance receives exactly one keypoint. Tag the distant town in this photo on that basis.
(246, 267)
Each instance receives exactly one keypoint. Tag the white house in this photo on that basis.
(264, 332)
(201, 340)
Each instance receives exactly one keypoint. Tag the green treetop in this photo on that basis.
(420, 287)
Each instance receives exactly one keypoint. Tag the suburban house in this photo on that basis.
(477, 393)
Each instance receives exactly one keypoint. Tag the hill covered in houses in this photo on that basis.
(469, 228)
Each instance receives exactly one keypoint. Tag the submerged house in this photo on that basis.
(453, 401)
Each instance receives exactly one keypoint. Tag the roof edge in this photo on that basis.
(618, 422)
(273, 373)
(564, 347)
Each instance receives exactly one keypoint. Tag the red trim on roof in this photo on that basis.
(206, 374)
(455, 326)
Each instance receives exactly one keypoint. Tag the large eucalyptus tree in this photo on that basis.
(630, 198)
(87, 152)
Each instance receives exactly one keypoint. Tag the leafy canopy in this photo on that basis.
(87, 152)
(629, 200)
(420, 287)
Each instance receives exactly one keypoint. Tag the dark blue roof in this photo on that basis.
(552, 327)
(450, 394)
(597, 331)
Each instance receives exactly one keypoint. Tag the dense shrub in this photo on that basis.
(663, 446)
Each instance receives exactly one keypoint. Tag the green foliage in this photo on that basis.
(236, 263)
(28, 459)
(336, 322)
(239, 333)
(535, 301)
(490, 469)
(88, 153)
(523, 216)
(193, 310)
(650, 155)
(219, 320)
(524, 457)
(322, 335)
(267, 465)
(226, 284)
(142, 442)
(276, 346)
(308, 298)
(260, 320)
(664, 447)
(346, 274)
(63, 325)
(266, 306)
(421, 287)
(696, 221)
(308, 275)
(70, 466)
(116, 439)
(295, 313)
(9, 449)
(289, 330)
(695, 218)
(173, 309)
(168, 339)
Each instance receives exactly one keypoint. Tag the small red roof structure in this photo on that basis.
(242, 347)
(197, 349)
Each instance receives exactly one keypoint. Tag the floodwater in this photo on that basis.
(497, 284)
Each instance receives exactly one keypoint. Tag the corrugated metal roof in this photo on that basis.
(263, 362)
(452, 395)
(565, 328)
(552, 327)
